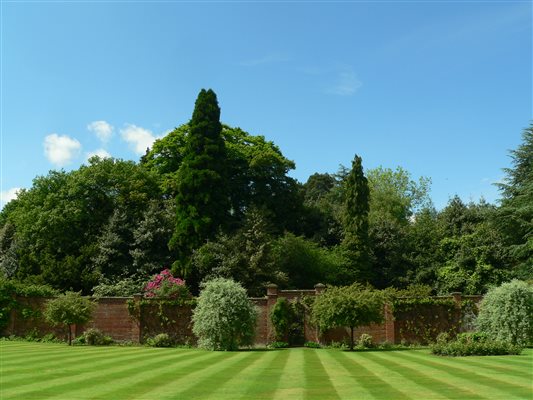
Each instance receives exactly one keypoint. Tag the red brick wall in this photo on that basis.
(261, 327)
(176, 321)
(112, 317)
(27, 318)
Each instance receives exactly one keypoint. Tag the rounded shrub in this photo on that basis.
(506, 313)
(161, 340)
(93, 336)
(224, 317)
(366, 341)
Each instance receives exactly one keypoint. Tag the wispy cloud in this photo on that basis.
(101, 153)
(60, 150)
(481, 26)
(7, 195)
(266, 59)
(346, 83)
(138, 138)
(102, 129)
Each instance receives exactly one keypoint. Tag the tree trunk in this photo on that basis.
(351, 338)
(70, 335)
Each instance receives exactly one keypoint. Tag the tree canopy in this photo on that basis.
(216, 201)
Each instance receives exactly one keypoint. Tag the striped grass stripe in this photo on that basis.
(54, 371)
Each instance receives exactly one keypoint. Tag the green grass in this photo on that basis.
(56, 371)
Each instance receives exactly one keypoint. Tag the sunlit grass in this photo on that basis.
(56, 371)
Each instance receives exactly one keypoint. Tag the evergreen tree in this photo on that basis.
(202, 201)
(355, 221)
(515, 216)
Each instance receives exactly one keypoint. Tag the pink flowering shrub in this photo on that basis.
(165, 285)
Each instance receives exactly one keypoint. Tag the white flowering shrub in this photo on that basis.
(224, 317)
(506, 313)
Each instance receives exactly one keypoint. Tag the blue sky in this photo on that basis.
(442, 89)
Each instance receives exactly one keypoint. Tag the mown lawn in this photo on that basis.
(55, 371)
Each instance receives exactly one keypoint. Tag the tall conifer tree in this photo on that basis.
(355, 221)
(202, 204)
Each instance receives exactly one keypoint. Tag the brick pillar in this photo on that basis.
(272, 298)
(136, 333)
(456, 296)
(390, 335)
(319, 288)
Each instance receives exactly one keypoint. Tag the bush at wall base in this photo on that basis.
(473, 344)
(224, 317)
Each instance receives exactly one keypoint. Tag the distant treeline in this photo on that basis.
(211, 200)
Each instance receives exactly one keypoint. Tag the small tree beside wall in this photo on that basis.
(352, 306)
(69, 309)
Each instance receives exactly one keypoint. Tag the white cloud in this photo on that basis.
(102, 153)
(138, 138)
(346, 83)
(102, 129)
(7, 195)
(60, 149)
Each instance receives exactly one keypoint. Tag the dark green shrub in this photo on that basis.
(278, 345)
(281, 316)
(338, 345)
(506, 313)
(50, 338)
(123, 288)
(288, 320)
(473, 344)
(365, 341)
(94, 337)
(161, 340)
(312, 345)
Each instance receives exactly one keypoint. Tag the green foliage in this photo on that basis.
(506, 313)
(303, 262)
(366, 341)
(9, 289)
(60, 223)
(473, 344)
(69, 309)
(278, 345)
(123, 288)
(224, 318)
(425, 317)
(246, 256)
(350, 306)
(288, 319)
(394, 198)
(202, 205)
(151, 236)
(355, 222)
(94, 337)
(281, 316)
(515, 216)
(312, 345)
(160, 340)
(394, 195)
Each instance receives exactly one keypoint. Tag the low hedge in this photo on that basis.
(473, 344)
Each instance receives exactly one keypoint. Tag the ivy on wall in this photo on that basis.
(10, 300)
(421, 319)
